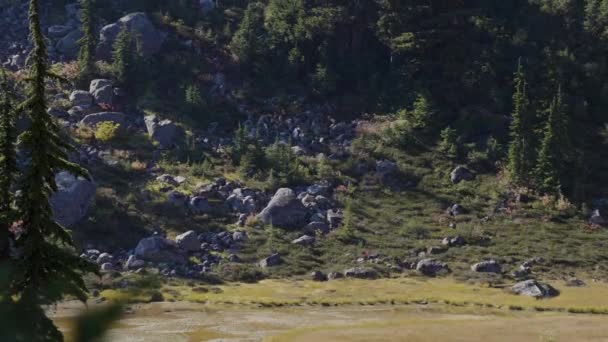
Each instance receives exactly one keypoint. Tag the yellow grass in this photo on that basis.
(590, 299)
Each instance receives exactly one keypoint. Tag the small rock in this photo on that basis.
(104, 258)
(107, 267)
(304, 240)
(361, 273)
(157, 297)
(597, 219)
(456, 241)
(335, 275)
(167, 179)
(133, 263)
(533, 288)
(490, 266)
(313, 227)
(271, 261)
(456, 210)
(239, 236)
(177, 198)
(459, 174)
(434, 250)
(430, 267)
(318, 276)
(334, 217)
(575, 282)
(199, 205)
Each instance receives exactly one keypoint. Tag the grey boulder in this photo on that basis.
(199, 205)
(430, 267)
(81, 98)
(68, 45)
(284, 210)
(361, 273)
(92, 120)
(533, 288)
(461, 173)
(271, 261)
(102, 91)
(164, 132)
(304, 240)
(149, 38)
(159, 249)
(188, 241)
(73, 198)
(596, 218)
(490, 266)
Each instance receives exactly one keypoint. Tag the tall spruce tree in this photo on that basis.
(519, 158)
(123, 56)
(554, 147)
(8, 164)
(47, 269)
(86, 55)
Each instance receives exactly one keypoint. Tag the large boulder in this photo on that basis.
(533, 288)
(150, 39)
(199, 205)
(490, 266)
(92, 120)
(461, 173)
(68, 45)
(73, 198)
(284, 210)
(188, 241)
(164, 132)
(81, 98)
(102, 91)
(430, 267)
(58, 31)
(159, 249)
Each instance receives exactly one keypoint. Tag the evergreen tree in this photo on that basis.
(554, 148)
(123, 57)
(248, 41)
(86, 55)
(449, 143)
(47, 269)
(8, 164)
(520, 131)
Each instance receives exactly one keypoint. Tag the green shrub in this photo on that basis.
(286, 169)
(401, 135)
(421, 116)
(449, 143)
(241, 273)
(107, 131)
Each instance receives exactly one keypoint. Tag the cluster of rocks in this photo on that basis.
(14, 27)
(173, 257)
(310, 209)
(311, 133)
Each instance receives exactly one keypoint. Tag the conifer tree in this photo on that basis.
(123, 56)
(8, 164)
(520, 131)
(47, 269)
(86, 55)
(554, 148)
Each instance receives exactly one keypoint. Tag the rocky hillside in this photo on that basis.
(210, 180)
